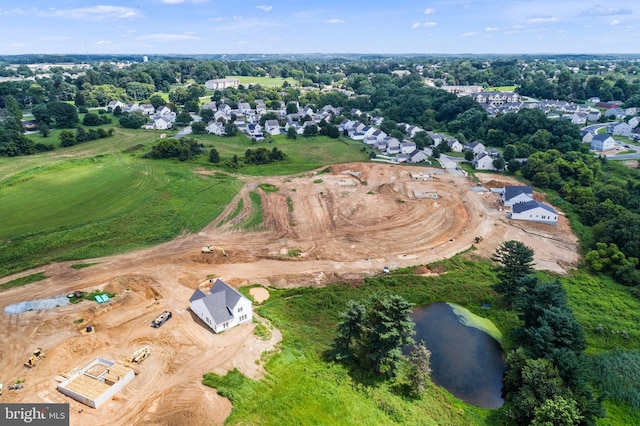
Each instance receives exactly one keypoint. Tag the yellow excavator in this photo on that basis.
(38, 355)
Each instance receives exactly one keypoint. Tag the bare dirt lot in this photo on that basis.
(344, 224)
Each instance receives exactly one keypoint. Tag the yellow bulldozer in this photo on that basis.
(214, 249)
(38, 355)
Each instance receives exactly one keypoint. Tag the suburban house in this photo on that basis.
(602, 142)
(272, 127)
(483, 162)
(407, 147)
(534, 211)
(512, 195)
(223, 308)
(615, 113)
(418, 156)
(114, 104)
(594, 115)
(620, 129)
(588, 137)
(475, 147)
(216, 128)
(222, 83)
(454, 145)
(147, 109)
(634, 122)
(635, 134)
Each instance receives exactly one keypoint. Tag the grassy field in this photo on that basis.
(303, 153)
(102, 197)
(303, 387)
(263, 81)
(501, 89)
(98, 205)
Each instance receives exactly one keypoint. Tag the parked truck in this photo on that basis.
(161, 319)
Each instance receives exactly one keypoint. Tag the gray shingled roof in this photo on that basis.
(199, 294)
(514, 191)
(529, 205)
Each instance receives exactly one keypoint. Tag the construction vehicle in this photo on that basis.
(38, 355)
(161, 319)
(16, 386)
(140, 355)
(214, 249)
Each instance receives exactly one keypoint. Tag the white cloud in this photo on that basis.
(614, 23)
(56, 38)
(541, 19)
(264, 7)
(240, 23)
(172, 1)
(424, 25)
(599, 10)
(243, 42)
(103, 42)
(489, 29)
(429, 11)
(469, 34)
(94, 13)
(168, 37)
(334, 21)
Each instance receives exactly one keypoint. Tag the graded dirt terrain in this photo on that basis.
(345, 223)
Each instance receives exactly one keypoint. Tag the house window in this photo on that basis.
(240, 309)
(243, 317)
(225, 325)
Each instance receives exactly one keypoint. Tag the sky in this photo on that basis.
(323, 26)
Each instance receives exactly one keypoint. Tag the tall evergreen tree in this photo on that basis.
(516, 262)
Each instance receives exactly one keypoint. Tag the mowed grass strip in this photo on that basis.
(103, 205)
(263, 81)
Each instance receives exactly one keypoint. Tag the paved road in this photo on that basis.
(450, 164)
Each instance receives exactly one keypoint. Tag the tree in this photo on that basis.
(516, 262)
(373, 336)
(513, 165)
(292, 108)
(199, 128)
(435, 152)
(348, 345)
(157, 100)
(64, 114)
(132, 120)
(183, 119)
(292, 132)
(214, 156)
(310, 130)
(42, 114)
(206, 114)
(468, 155)
(13, 107)
(420, 368)
(44, 130)
(498, 163)
(67, 138)
(230, 129)
(388, 329)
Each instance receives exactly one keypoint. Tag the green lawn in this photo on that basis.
(502, 89)
(263, 81)
(100, 205)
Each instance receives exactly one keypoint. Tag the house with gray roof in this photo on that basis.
(602, 142)
(223, 308)
(512, 195)
(534, 211)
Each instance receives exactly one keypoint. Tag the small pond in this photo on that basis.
(35, 305)
(466, 355)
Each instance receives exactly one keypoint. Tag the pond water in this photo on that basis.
(466, 355)
(35, 305)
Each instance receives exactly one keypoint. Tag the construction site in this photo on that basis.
(343, 224)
